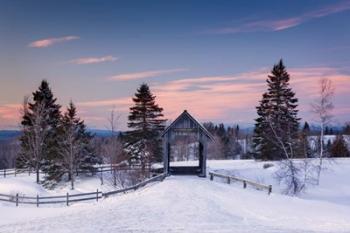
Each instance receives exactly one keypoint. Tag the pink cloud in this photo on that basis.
(93, 60)
(118, 102)
(144, 74)
(224, 98)
(282, 24)
(221, 98)
(10, 115)
(51, 41)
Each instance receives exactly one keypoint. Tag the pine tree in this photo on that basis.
(39, 122)
(306, 128)
(146, 122)
(74, 145)
(277, 117)
(339, 147)
(305, 149)
(346, 129)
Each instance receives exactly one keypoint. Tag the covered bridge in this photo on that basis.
(183, 127)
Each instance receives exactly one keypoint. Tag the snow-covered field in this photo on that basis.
(192, 204)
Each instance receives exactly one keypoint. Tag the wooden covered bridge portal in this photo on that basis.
(186, 126)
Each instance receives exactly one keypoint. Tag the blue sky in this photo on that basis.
(210, 57)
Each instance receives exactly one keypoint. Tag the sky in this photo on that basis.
(209, 57)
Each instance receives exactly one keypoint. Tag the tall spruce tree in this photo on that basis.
(146, 122)
(75, 147)
(305, 149)
(277, 117)
(339, 147)
(39, 139)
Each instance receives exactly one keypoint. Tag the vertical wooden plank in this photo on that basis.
(244, 184)
(97, 195)
(270, 189)
(37, 200)
(67, 199)
(101, 176)
(165, 153)
(16, 199)
(4, 173)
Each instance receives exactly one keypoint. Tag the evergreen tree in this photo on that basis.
(305, 149)
(40, 121)
(75, 148)
(277, 117)
(339, 147)
(146, 122)
(306, 128)
(346, 129)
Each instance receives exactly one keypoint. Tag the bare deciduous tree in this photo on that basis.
(34, 136)
(289, 172)
(322, 108)
(113, 147)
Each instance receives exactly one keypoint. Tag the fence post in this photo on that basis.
(101, 176)
(4, 173)
(270, 189)
(37, 200)
(16, 199)
(97, 195)
(15, 172)
(67, 199)
(244, 184)
(211, 176)
(228, 180)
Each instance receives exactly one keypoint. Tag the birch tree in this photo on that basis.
(322, 107)
(113, 147)
(34, 135)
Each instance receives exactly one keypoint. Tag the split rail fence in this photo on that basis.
(98, 170)
(245, 182)
(71, 198)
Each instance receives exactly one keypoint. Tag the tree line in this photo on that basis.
(58, 143)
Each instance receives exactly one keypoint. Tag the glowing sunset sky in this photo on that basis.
(209, 57)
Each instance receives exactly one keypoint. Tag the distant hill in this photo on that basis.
(101, 132)
(9, 134)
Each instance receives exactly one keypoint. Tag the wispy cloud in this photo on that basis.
(93, 60)
(122, 102)
(144, 74)
(282, 24)
(51, 41)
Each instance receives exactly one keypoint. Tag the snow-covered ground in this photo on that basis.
(192, 204)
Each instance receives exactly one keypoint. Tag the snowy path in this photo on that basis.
(184, 204)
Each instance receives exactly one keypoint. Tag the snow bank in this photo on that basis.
(192, 204)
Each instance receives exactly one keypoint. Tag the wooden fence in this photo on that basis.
(98, 170)
(71, 198)
(245, 182)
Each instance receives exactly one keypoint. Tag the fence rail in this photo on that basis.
(245, 182)
(70, 198)
(97, 170)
